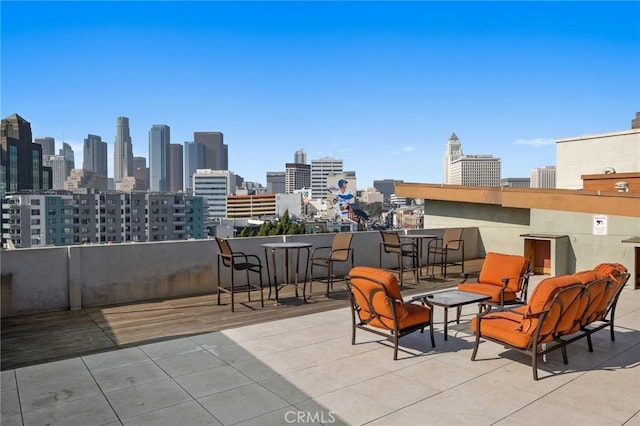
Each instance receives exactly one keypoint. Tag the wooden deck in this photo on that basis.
(35, 339)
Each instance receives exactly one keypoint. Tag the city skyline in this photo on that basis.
(371, 83)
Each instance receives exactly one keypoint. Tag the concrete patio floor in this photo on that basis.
(304, 370)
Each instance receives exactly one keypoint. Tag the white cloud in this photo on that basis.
(535, 142)
(408, 149)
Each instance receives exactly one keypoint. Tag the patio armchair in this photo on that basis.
(439, 248)
(504, 277)
(340, 251)
(535, 329)
(391, 244)
(238, 261)
(377, 306)
(602, 313)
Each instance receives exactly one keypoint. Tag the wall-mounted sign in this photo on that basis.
(600, 224)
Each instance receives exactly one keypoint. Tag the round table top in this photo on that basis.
(287, 245)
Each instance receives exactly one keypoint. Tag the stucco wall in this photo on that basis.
(590, 154)
(498, 228)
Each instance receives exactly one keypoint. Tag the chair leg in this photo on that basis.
(233, 292)
(458, 314)
(248, 286)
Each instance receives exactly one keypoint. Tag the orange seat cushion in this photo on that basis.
(504, 326)
(488, 290)
(376, 284)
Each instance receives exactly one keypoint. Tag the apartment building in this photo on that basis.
(64, 218)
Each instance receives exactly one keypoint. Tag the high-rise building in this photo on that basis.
(216, 152)
(141, 173)
(214, 186)
(123, 150)
(387, 187)
(515, 182)
(300, 157)
(451, 153)
(475, 170)
(297, 176)
(543, 177)
(193, 160)
(95, 155)
(320, 169)
(159, 171)
(69, 158)
(276, 183)
(48, 145)
(58, 166)
(21, 166)
(635, 123)
(176, 175)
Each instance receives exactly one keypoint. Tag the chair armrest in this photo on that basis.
(454, 241)
(469, 275)
(313, 253)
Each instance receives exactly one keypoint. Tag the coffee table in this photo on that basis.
(450, 299)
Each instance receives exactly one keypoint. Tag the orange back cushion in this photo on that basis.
(541, 299)
(498, 266)
(368, 282)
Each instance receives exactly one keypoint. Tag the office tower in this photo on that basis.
(543, 177)
(452, 152)
(21, 166)
(320, 169)
(176, 174)
(69, 158)
(193, 160)
(276, 182)
(48, 145)
(515, 182)
(139, 162)
(58, 166)
(86, 179)
(213, 186)
(475, 170)
(216, 153)
(297, 176)
(159, 140)
(635, 123)
(300, 157)
(123, 150)
(387, 187)
(95, 155)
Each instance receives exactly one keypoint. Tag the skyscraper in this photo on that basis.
(475, 170)
(216, 153)
(300, 157)
(297, 176)
(175, 161)
(320, 169)
(21, 165)
(48, 145)
(123, 150)
(193, 160)
(451, 153)
(276, 182)
(159, 171)
(69, 158)
(95, 155)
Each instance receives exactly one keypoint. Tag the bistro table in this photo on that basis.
(450, 299)
(418, 241)
(286, 247)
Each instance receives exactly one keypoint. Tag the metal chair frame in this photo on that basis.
(325, 257)
(238, 261)
(392, 244)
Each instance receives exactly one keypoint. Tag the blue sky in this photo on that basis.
(381, 85)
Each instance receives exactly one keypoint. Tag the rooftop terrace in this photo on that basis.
(187, 361)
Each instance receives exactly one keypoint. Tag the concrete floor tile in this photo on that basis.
(285, 389)
(15, 420)
(131, 375)
(231, 353)
(170, 348)
(255, 369)
(90, 411)
(35, 395)
(8, 380)
(187, 413)
(283, 416)
(51, 371)
(114, 359)
(9, 403)
(182, 364)
(146, 398)
(242, 403)
(212, 380)
(381, 390)
(352, 407)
